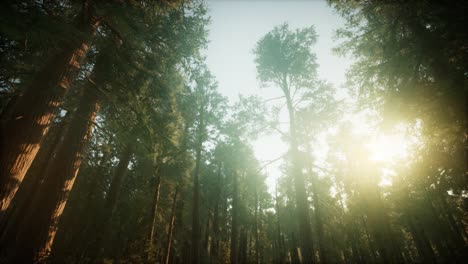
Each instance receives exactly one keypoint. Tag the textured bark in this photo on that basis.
(35, 109)
(22, 201)
(38, 229)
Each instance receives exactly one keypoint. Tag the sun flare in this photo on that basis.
(386, 148)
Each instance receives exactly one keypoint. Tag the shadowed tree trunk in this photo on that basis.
(242, 258)
(235, 219)
(112, 197)
(206, 239)
(38, 229)
(425, 251)
(278, 228)
(318, 217)
(154, 210)
(257, 241)
(196, 193)
(215, 237)
(171, 227)
(33, 179)
(31, 115)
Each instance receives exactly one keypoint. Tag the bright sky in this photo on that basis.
(235, 28)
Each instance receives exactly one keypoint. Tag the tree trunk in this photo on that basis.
(278, 228)
(299, 184)
(38, 229)
(425, 251)
(242, 258)
(30, 117)
(206, 239)
(196, 196)
(318, 220)
(171, 227)
(104, 223)
(257, 241)
(235, 220)
(154, 210)
(260, 246)
(215, 227)
(116, 184)
(20, 204)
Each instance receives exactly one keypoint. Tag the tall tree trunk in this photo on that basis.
(242, 257)
(81, 243)
(257, 241)
(215, 227)
(154, 211)
(110, 206)
(278, 228)
(260, 249)
(196, 194)
(19, 206)
(307, 248)
(116, 184)
(425, 251)
(38, 229)
(457, 233)
(235, 220)
(171, 226)
(206, 239)
(318, 220)
(30, 117)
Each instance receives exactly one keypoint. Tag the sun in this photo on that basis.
(386, 148)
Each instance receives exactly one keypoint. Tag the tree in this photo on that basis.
(32, 113)
(284, 58)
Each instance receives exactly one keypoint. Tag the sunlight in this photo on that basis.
(386, 148)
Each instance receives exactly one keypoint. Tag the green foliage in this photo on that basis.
(285, 56)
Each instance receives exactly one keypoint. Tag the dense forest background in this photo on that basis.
(116, 145)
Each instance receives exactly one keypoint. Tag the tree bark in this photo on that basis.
(35, 109)
(242, 258)
(38, 229)
(22, 201)
(116, 184)
(196, 194)
(112, 198)
(171, 227)
(299, 184)
(154, 210)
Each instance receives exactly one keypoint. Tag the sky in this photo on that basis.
(235, 28)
